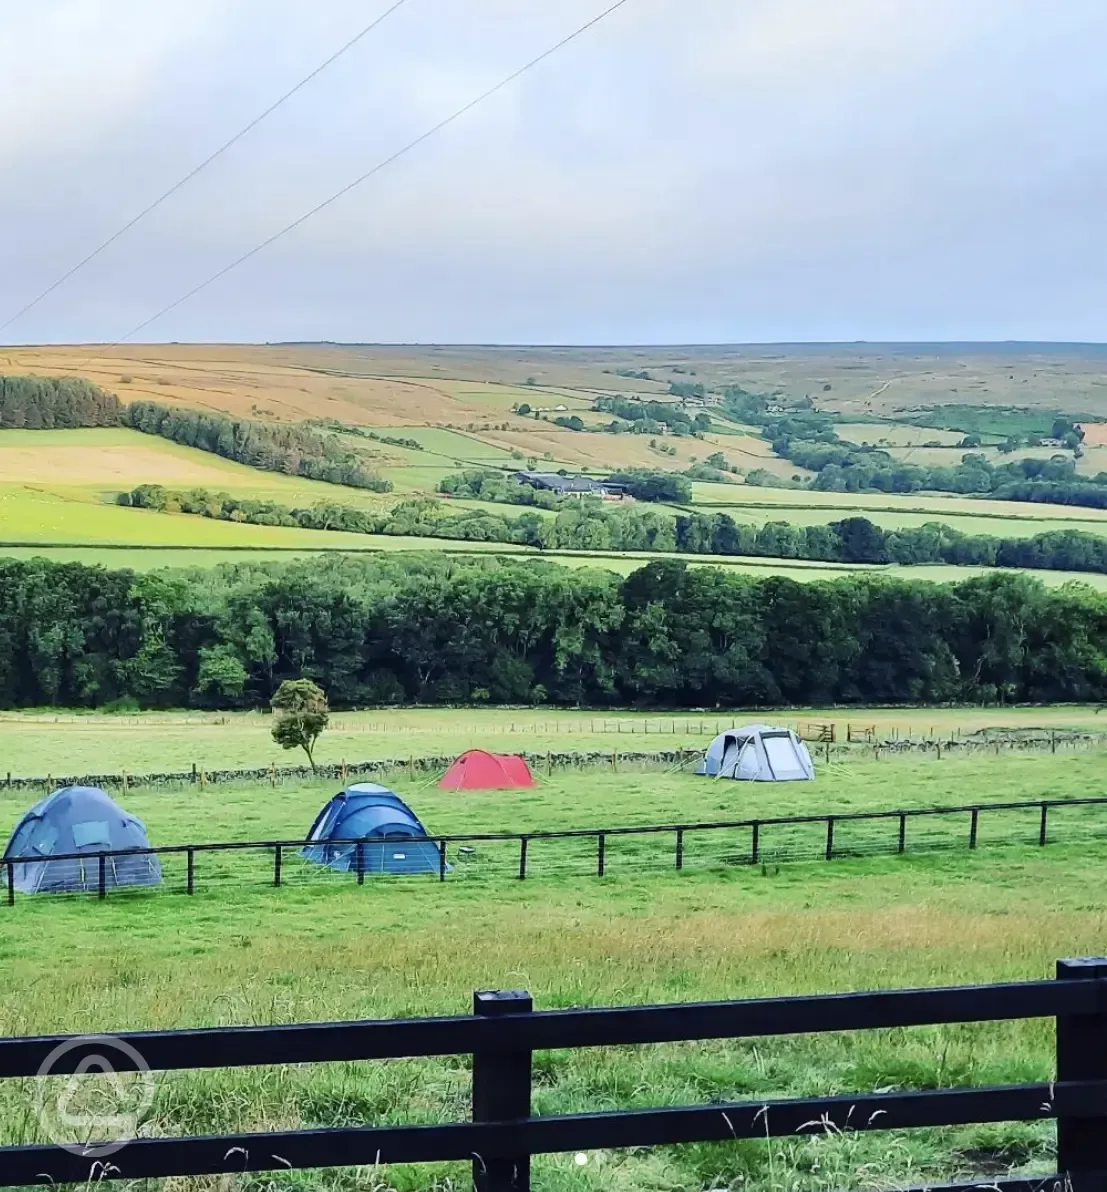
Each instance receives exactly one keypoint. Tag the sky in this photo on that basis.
(688, 171)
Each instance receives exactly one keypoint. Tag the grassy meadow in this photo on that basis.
(58, 742)
(321, 948)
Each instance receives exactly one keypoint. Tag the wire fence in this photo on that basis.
(576, 854)
(825, 751)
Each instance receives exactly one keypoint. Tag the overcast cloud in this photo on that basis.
(690, 170)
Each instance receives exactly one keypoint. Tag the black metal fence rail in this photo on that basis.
(504, 1032)
(605, 851)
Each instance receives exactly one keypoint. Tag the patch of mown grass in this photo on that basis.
(414, 947)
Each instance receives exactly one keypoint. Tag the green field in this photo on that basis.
(39, 518)
(596, 797)
(323, 948)
(57, 742)
(56, 489)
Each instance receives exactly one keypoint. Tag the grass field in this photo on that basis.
(595, 797)
(56, 486)
(68, 518)
(327, 949)
(56, 742)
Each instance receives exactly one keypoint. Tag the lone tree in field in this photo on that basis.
(301, 714)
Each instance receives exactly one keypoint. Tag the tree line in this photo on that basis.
(55, 403)
(67, 403)
(589, 524)
(268, 446)
(643, 484)
(423, 628)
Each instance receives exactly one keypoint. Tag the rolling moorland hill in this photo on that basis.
(416, 415)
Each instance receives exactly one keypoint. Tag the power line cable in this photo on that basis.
(349, 45)
(381, 165)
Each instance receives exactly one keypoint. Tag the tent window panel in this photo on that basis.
(782, 754)
(91, 833)
(21, 839)
(47, 837)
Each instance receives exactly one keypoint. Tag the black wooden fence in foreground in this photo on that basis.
(505, 1031)
(579, 852)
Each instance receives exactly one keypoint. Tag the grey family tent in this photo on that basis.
(758, 753)
(370, 829)
(79, 820)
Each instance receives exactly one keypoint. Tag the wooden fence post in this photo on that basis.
(830, 838)
(11, 883)
(755, 844)
(501, 1093)
(193, 773)
(680, 848)
(277, 859)
(359, 862)
(973, 825)
(190, 881)
(902, 832)
(1042, 827)
(601, 854)
(102, 877)
(523, 842)
(1082, 1055)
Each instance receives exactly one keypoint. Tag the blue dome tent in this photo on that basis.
(389, 837)
(79, 819)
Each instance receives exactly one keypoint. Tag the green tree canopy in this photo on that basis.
(301, 711)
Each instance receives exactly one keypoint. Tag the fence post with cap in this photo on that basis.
(1082, 1055)
(501, 1093)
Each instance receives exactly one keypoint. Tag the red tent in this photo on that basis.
(481, 771)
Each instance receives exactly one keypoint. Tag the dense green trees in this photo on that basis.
(270, 446)
(648, 484)
(591, 524)
(431, 629)
(644, 484)
(651, 417)
(55, 403)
